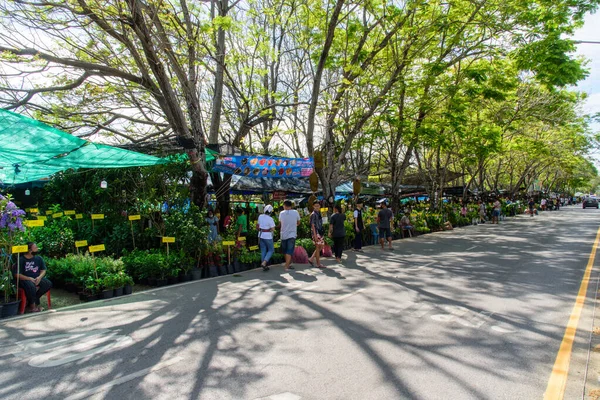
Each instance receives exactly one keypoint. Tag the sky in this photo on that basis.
(591, 52)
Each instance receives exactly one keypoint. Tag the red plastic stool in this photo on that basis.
(23, 299)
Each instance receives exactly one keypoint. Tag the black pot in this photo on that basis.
(161, 282)
(230, 269)
(173, 280)
(107, 294)
(118, 292)
(184, 277)
(128, 289)
(70, 287)
(152, 281)
(10, 309)
(92, 297)
(213, 271)
(144, 281)
(196, 274)
(237, 267)
(243, 267)
(83, 296)
(223, 270)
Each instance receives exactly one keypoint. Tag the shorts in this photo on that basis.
(385, 233)
(288, 246)
(496, 213)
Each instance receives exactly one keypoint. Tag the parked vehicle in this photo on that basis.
(590, 202)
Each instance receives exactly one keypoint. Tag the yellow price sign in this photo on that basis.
(241, 239)
(34, 210)
(168, 239)
(97, 216)
(57, 215)
(324, 209)
(135, 217)
(78, 216)
(34, 222)
(49, 212)
(81, 243)
(253, 247)
(42, 218)
(99, 247)
(277, 245)
(70, 212)
(20, 249)
(229, 243)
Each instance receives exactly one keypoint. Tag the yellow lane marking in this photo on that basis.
(558, 379)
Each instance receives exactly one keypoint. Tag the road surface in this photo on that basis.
(475, 313)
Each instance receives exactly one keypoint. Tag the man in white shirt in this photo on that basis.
(288, 224)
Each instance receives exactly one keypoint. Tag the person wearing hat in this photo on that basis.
(265, 227)
(384, 219)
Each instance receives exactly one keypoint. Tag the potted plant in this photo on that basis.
(9, 308)
(119, 284)
(108, 284)
(128, 282)
(256, 259)
(245, 259)
(11, 233)
(92, 288)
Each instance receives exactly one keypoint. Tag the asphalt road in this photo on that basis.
(474, 313)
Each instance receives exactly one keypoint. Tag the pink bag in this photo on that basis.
(327, 251)
(300, 256)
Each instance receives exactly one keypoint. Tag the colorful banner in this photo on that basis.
(264, 167)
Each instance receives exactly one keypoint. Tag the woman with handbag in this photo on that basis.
(265, 227)
(316, 227)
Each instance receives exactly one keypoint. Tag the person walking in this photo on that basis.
(31, 271)
(496, 212)
(481, 212)
(531, 205)
(337, 232)
(241, 224)
(288, 227)
(265, 226)
(359, 226)
(384, 220)
(316, 228)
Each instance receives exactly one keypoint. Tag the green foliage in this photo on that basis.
(154, 264)
(56, 238)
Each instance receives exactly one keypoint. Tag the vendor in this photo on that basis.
(30, 273)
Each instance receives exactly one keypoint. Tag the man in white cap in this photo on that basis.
(265, 227)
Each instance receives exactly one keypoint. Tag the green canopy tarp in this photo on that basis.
(31, 150)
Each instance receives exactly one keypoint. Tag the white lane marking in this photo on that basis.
(502, 330)
(345, 296)
(87, 393)
(473, 247)
(282, 396)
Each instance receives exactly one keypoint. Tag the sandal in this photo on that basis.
(311, 262)
(321, 266)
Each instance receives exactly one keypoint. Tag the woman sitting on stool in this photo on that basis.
(32, 270)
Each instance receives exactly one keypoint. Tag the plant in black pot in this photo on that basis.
(11, 233)
(127, 285)
(119, 284)
(245, 259)
(256, 259)
(92, 289)
(10, 306)
(108, 284)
